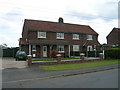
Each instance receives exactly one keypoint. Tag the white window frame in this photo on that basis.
(59, 35)
(76, 36)
(60, 48)
(76, 47)
(33, 47)
(89, 48)
(34, 55)
(41, 34)
(89, 37)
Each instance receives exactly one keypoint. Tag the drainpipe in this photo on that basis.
(69, 50)
(29, 49)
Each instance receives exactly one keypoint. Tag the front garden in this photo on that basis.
(78, 65)
(111, 57)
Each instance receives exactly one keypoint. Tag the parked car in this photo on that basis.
(21, 55)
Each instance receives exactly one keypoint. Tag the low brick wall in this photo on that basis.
(64, 62)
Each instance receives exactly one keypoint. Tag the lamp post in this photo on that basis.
(103, 54)
(95, 52)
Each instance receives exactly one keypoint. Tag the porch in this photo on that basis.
(43, 48)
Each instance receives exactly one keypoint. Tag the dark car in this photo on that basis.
(21, 55)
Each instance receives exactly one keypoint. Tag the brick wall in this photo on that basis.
(113, 38)
(64, 62)
(67, 37)
(51, 36)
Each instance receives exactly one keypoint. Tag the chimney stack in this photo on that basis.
(60, 20)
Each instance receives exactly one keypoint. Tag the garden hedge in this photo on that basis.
(112, 53)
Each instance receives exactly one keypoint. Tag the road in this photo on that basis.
(102, 79)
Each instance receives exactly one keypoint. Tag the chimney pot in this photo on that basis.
(60, 20)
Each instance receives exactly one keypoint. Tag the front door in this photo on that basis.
(44, 51)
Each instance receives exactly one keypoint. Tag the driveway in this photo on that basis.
(8, 62)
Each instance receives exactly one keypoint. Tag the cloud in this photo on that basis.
(101, 15)
(101, 26)
(10, 27)
(93, 9)
(11, 19)
(7, 40)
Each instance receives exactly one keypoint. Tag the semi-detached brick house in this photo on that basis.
(113, 38)
(40, 37)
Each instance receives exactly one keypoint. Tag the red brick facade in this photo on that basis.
(30, 37)
(113, 37)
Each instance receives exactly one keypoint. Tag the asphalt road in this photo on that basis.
(102, 79)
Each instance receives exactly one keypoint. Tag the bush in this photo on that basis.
(53, 53)
(112, 53)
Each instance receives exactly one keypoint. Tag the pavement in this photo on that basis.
(36, 73)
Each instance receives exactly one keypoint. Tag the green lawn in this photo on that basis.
(52, 59)
(78, 65)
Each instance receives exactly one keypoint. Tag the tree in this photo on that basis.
(3, 46)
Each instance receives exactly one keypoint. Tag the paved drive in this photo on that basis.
(12, 63)
(102, 79)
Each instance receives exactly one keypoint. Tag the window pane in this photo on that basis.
(33, 47)
(89, 37)
(75, 36)
(60, 48)
(89, 48)
(41, 34)
(60, 35)
(75, 47)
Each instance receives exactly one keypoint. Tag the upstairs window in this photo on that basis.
(89, 37)
(76, 36)
(41, 34)
(60, 36)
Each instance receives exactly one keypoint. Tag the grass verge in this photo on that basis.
(78, 65)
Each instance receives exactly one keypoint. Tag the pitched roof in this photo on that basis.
(22, 41)
(58, 27)
(117, 30)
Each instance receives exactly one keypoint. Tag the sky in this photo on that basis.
(100, 15)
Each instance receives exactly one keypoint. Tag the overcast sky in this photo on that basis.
(101, 15)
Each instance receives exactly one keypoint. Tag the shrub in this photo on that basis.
(53, 53)
(112, 53)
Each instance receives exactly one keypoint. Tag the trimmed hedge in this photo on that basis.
(112, 53)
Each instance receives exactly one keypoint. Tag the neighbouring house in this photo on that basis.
(39, 38)
(113, 38)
